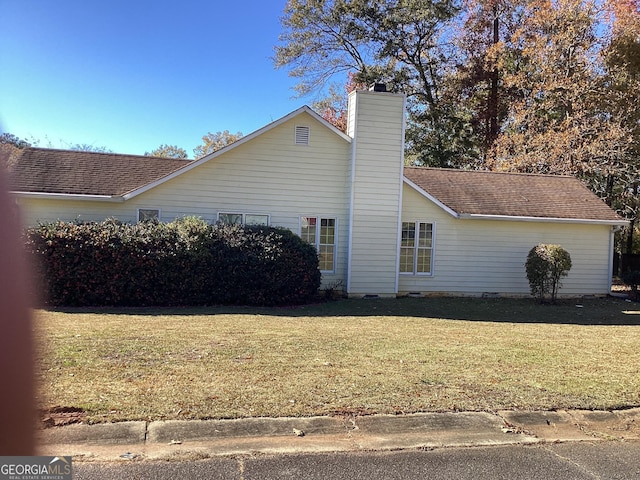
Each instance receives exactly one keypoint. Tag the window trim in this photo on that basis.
(257, 215)
(416, 248)
(317, 244)
(158, 216)
(244, 218)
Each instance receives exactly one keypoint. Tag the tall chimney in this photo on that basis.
(376, 126)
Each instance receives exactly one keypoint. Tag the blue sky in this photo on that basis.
(130, 75)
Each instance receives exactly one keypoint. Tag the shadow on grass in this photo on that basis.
(596, 311)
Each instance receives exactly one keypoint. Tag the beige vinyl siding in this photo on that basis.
(37, 210)
(472, 257)
(270, 175)
(267, 175)
(378, 146)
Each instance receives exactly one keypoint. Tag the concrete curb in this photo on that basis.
(123, 433)
(178, 439)
(187, 430)
(577, 425)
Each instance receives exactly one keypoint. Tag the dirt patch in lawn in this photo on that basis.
(60, 416)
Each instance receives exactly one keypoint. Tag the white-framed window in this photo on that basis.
(321, 233)
(416, 248)
(148, 214)
(227, 218)
(256, 219)
(230, 218)
(302, 134)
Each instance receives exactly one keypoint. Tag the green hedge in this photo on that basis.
(186, 262)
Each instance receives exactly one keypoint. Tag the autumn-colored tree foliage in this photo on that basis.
(555, 125)
(622, 62)
(475, 87)
(625, 16)
(334, 108)
(541, 86)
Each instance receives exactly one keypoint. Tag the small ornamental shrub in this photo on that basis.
(545, 266)
(632, 279)
(186, 262)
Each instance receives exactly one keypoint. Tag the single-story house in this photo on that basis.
(380, 228)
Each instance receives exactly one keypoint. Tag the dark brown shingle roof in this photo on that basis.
(511, 194)
(44, 170)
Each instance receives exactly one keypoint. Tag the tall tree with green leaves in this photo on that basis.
(399, 42)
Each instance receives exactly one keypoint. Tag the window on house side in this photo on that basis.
(230, 218)
(148, 214)
(321, 233)
(243, 219)
(416, 248)
(251, 219)
(308, 229)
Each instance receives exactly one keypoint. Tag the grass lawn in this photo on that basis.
(349, 356)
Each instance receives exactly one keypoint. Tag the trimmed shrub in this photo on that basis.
(545, 266)
(186, 262)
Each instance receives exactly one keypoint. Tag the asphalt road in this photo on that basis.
(610, 460)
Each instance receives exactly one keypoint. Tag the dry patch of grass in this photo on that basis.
(368, 356)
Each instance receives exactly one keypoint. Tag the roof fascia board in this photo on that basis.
(515, 218)
(68, 196)
(430, 197)
(251, 136)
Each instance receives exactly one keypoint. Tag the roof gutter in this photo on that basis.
(514, 218)
(69, 196)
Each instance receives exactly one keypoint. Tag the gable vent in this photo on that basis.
(302, 135)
